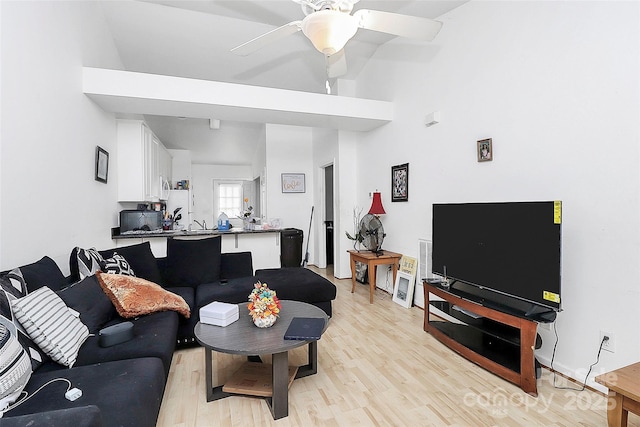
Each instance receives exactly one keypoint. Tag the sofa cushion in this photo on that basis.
(89, 261)
(87, 298)
(141, 259)
(127, 392)
(85, 416)
(134, 296)
(51, 325)
(235, 291)
(185, 326)
(154, 335)
(12, 287)
(13, 283)
(117, 264)
(44, 272)
(15, 368)
(236, 264)
(298, 284)
(8, 293)
(193, 262)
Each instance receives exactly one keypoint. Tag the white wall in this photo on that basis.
(50, 129)
(289, 150)
(555, 84)
(180, 165)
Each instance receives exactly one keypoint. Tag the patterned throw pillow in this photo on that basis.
(133, 296)
(15, 368)
(51, 325)
(117, 265)
(89, 261)
(12, 287)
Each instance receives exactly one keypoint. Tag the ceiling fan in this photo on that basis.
(329, 25)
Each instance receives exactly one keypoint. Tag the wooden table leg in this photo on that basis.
(616, 415)
(395, 272)
(372, 280)
(279, 401)
(353, 274)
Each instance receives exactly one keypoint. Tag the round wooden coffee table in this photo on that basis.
(243, 337)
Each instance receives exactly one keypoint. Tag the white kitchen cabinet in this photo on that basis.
(139, 165)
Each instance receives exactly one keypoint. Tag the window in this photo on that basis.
(230, 198)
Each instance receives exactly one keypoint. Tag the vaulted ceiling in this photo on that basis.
(193, 39)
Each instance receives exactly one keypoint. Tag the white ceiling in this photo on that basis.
(193, 39)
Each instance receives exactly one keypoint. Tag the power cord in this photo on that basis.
(75, 393)
(584, 383)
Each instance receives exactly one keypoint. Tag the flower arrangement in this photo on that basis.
(248, 220)
(247, 213)
(263, 302)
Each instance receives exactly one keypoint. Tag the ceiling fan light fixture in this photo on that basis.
(329, 30)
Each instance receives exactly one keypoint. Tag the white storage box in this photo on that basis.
(219, 313)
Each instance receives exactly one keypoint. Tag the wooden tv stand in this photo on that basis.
(500, 342)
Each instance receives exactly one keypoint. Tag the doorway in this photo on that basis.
(328, 214)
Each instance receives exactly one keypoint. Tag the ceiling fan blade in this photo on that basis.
(412, 27)
(307, 4)
(267, 38)
(336, 64)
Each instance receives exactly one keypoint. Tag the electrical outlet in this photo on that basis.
(610, 344)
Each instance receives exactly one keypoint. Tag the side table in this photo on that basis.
(624, 393)
(372, 260)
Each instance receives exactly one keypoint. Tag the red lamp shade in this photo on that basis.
(376, 205)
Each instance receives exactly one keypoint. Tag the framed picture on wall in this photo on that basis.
(293, 183)
(102, 165)
(400, 183)
(485, 150)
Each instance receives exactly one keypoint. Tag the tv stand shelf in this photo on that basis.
(500, 342)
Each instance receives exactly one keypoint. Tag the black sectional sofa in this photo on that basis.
(123, 384)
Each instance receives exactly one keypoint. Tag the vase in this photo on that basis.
(265, 322)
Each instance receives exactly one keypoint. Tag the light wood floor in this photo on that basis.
(377, 367)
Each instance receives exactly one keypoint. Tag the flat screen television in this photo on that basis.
(510, 251)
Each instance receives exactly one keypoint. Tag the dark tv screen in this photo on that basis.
(511, 248)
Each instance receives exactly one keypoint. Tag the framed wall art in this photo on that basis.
(400, 183)
(102, 165)
(403, 289)
(485, 150)
(293, 183)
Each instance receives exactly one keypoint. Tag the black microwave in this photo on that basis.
(140, 220)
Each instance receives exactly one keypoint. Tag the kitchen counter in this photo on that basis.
(264, 245)
(176, 233)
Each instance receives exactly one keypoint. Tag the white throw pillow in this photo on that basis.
(15, 368)
(51, 325)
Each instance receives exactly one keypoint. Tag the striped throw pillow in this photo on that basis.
(15, 368)
(51, 325)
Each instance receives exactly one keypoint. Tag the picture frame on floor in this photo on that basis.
(403, 289)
